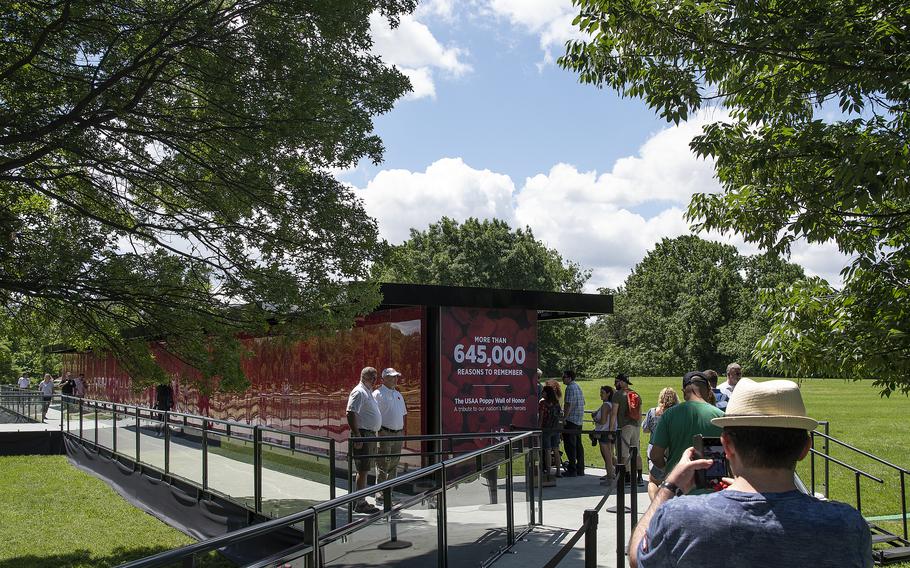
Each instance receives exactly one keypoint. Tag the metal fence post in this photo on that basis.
(114, 414)
(167, 444)
(257, 468)
(332, 480)
(80, 418)
(138, 434)
(590, 519)
(621, 516)
(205, 456)
(827, 464)
(812, 463)
(510, 501)
(443, 537)
(633, 491)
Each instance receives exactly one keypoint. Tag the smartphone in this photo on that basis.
(710, 449)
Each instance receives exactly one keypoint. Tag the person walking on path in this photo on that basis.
(24, 382)
(667, 399)
(605, 432)
(761, 519)
(574, 416)
(393, 410)
(550, 415)
(79, 384)
(364, 420)
(673, 434)
(164, 401)
(627, 417)
(46, 388)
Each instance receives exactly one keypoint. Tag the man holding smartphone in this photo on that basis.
(761, 519)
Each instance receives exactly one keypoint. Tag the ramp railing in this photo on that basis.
(451, 519)
(268, 468)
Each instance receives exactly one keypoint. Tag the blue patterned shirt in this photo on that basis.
(575, 400)
(745, 530)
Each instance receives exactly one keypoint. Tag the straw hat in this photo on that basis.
(771, 404)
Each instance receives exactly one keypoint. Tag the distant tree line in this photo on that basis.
(689, 304)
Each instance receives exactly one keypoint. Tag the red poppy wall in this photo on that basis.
(301, 386)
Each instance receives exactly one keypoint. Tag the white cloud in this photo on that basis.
(401, 199)
(550, 20)
(413, 48)
(442, 9)
(594, 220)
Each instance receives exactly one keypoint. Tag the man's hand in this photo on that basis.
(683, 474)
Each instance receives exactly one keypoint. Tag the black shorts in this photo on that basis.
(608, 437)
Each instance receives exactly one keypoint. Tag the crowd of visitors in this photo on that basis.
(67, 384)
(758, 515)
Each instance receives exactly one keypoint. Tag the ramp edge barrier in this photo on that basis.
(187, 554)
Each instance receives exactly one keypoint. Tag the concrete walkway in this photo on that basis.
(563, 512)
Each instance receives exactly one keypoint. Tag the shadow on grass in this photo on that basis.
(85, 559)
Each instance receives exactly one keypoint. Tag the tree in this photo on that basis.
(689, 304)
(788, 171)
(164, 169)
(490, 254)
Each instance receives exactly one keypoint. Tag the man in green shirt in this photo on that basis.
(680, 423)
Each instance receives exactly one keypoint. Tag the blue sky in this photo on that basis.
(494, 128)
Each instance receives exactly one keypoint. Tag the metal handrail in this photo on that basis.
(903, 472)
(135, 415)
(848, 466)
(261, 529)
(862, 452)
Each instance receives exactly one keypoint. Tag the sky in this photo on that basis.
(495, 128)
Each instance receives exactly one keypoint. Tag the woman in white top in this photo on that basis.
(606, 432)
(46, 387)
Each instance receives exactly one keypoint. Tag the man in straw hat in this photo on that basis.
(761, 519)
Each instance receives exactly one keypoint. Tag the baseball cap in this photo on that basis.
(624, 378)
(390, 372)
(695, 377)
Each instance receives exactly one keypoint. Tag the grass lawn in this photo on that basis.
(857, 415)
(58, 516)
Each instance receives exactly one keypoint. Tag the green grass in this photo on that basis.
(857, 415)
(57, 516)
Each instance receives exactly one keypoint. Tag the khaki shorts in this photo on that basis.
(629, 438)
(366, 449)
(388, 466)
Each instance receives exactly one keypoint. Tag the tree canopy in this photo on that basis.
(489, 253)
(689, 304)
(164, 168)
(815, 147)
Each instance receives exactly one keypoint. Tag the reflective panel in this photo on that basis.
(186, 453)
(476, 518)
(294, 479)
(126, 434)
(521, 492)
(410, 539)
(230, 464)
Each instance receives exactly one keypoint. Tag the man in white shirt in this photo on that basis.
(734, 374)
(393, 410)
(24, 381)
(364, 419)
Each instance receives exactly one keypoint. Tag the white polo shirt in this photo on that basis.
(24, 383)
(361, 403)
(391, 407)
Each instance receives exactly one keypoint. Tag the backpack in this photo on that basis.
(633, 409)
(552, 417)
